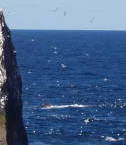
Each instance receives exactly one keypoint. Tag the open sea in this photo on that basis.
(74, 86)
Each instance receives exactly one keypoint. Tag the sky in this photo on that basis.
(65, 14)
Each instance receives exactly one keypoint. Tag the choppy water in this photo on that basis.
(74, 86)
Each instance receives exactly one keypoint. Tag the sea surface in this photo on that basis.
(74, 86)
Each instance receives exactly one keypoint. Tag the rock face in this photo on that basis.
(12, 131)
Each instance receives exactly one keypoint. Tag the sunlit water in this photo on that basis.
(74, 86)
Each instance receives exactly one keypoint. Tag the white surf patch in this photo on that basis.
(65, 106)
(112, 139)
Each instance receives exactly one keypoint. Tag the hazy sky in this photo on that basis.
(65, 14)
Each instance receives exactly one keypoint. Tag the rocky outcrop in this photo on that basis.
(12, 131)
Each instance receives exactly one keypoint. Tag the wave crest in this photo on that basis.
(65, 106)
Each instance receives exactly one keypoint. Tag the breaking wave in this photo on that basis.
(112, 139)
(65, 106)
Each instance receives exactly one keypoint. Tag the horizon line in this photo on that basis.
(67, 29)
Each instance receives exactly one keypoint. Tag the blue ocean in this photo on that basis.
(74, 86)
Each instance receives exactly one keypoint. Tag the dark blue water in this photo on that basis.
(73, 68)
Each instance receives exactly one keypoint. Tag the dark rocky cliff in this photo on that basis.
(12, 131)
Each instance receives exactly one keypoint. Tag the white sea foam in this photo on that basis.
(65, 106)
(32, 40)
(112, 139)
(63, 65)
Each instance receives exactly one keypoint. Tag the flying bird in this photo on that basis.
(92, 20)
(65, 13)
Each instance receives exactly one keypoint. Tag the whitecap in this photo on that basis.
(55, 48)
(32, 40)
(105, 79)
(112, 139)
(87, 54)
(86, 121)
(29, 72)
(63, 65)
(55, 52)
(65, 106)
(14, 51)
